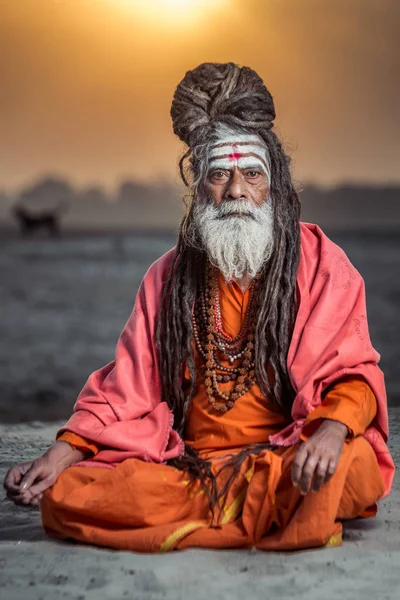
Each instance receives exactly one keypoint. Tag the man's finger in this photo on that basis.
(42, 485)
(30, 477)
(14, 476)
(320, 474)
(10, 479)
(17, 498)
(308, 473)
(26, 500)
(331, 469)
(35, 500)
(11, 486)
(12, 495)
(298, 463)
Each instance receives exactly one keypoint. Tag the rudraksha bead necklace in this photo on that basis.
(210, 338)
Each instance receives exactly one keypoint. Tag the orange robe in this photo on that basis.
(149, 507)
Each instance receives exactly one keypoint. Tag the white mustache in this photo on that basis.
(236, 207)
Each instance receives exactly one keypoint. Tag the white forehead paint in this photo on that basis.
(242, 150)
(242, 140)
(243, 162)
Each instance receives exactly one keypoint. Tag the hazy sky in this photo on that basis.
(86, 85)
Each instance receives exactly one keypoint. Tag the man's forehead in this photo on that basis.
(241, 140)
(244, 150)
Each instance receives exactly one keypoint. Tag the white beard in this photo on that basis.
(236, 245)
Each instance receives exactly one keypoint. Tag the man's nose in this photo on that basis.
(236, 187)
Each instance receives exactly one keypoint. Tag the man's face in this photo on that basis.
(238, 170)
(235, 220)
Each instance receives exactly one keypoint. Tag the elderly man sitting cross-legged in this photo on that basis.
(244, 406)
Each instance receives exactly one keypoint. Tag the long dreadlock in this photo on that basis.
(210, 95)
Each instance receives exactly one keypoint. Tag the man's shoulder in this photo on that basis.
(312, 235)
(319, 253)
(316, 244)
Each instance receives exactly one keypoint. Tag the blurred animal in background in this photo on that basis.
(49, 219)
(42, 205)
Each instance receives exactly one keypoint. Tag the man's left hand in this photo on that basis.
(318, 457)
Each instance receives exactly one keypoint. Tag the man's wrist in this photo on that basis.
(66, 454)
(336, 425)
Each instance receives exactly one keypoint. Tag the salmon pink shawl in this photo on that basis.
(120, 408)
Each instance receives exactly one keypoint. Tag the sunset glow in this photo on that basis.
(173, 12)
(88, 84)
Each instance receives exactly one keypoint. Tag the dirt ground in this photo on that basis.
(35, 567)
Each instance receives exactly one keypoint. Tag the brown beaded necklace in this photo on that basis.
(210, 338)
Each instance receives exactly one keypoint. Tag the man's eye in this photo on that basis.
(253, 173)
(218, 174)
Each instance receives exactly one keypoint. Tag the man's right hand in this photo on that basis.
(26, 482)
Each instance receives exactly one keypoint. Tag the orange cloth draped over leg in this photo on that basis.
(148, 507)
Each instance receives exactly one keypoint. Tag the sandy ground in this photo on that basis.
(35, 567)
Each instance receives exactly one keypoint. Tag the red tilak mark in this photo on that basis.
(235, 156)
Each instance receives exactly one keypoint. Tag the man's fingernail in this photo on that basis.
(24, 486)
